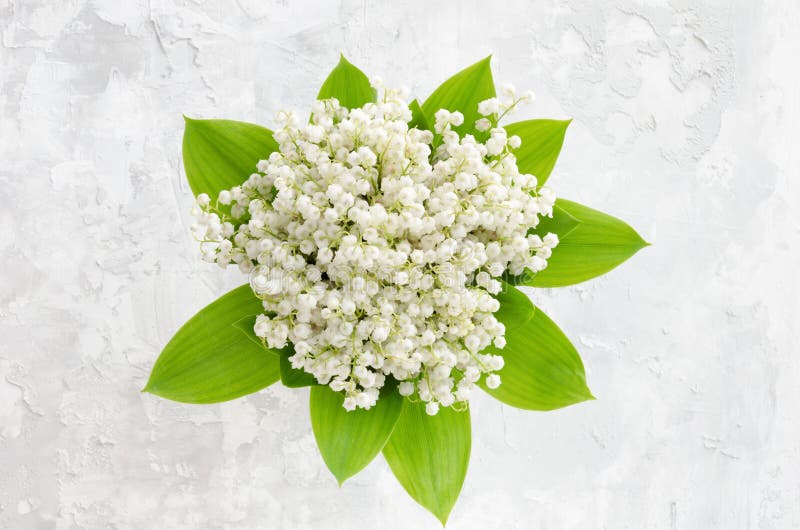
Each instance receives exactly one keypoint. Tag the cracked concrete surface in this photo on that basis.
(686, 119)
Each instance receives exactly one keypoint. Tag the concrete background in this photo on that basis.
(686, 125)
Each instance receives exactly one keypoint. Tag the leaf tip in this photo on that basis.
(340, 475)
(642, 244)
(150, 389)
(586, 395)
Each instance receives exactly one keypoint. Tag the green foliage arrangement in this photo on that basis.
(396, 382)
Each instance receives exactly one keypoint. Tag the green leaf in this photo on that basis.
(418, 119)
(541, 144)
(292, 377)
(429, 455)
(210, 360)
(348, 441)
(542, 369)
(463, 92)
(590, 248)
(221, 154)
(349, 85)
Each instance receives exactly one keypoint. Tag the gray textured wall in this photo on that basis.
(686, 125)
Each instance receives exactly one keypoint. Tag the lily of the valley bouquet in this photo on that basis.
(383, 241)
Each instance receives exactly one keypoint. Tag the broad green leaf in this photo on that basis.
(210, 360)
(429, 455)
(292, 377)
(418, 119)
(463, 92)
(542, 369)
(541, 144)
(597, 244)
(348, 84)
(221, 154)
(348, 441)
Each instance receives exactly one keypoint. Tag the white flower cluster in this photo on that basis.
(377, 249)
